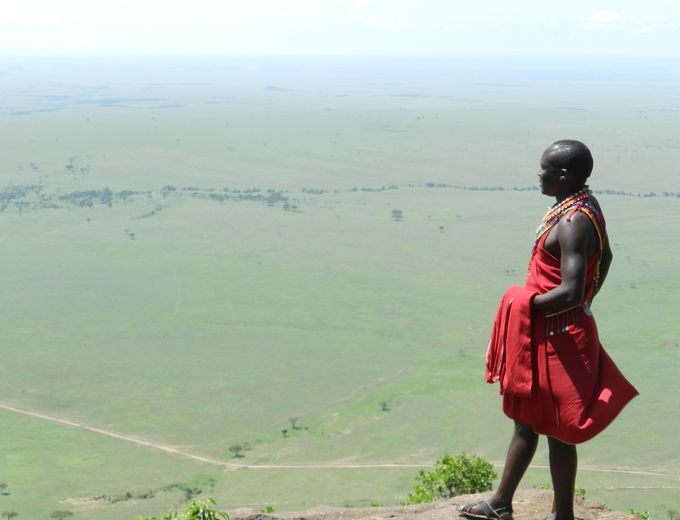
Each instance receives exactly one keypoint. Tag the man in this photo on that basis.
(555, 377)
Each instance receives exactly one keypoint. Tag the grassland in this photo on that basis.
(247, 267)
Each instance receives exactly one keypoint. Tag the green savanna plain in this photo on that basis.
(196, 252)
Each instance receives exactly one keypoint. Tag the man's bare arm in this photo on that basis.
(573, 237)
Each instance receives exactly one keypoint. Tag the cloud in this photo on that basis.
(601, 17)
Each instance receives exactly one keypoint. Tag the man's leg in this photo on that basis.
(520, 452)
(563, 464)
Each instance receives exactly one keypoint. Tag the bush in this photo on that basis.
(198, 510)
(642, 515)
(452, 476)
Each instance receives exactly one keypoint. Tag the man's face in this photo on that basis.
(551, 177)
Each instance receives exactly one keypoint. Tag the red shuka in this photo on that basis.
(576, 389)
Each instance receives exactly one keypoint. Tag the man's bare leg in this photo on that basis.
(520, 452)
(563, 465)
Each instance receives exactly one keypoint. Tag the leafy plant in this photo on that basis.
(642, 515)
(452, 476)
(198, 510)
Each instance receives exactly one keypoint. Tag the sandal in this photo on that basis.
(486, 512)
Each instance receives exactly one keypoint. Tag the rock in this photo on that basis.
(530, 504)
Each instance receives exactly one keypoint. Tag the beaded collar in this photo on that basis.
(557, 211)
(580, 201)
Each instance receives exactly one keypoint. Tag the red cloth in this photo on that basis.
(576, 389)
(508, 357)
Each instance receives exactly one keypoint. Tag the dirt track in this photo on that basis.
(119, 436)
(235, 465)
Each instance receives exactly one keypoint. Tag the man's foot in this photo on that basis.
(483, 510)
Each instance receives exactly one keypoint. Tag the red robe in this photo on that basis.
(576, 389)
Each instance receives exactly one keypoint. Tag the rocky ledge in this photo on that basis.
(529, 505)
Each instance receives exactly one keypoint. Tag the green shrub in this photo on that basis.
(198, 510)
(452, 476)
(642, 515)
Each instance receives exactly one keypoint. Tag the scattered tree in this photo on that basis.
(284, 432)
(293, 422)
(10, 514)
(384, 407)
(60, 515)
(236, 449)
(190, 492)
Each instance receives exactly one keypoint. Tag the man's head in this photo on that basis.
(565, 167)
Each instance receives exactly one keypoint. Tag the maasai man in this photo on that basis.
(555, 377)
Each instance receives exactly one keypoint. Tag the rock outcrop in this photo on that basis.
(529, 505)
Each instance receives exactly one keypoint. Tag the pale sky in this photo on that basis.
(365, 27)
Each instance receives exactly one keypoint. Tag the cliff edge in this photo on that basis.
(530, 504)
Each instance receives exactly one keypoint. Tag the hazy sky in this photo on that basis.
(452, 27)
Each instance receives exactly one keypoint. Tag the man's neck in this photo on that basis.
(568, 193)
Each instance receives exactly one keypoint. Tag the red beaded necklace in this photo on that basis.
(556, 212)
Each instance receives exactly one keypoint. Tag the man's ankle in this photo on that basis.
(566, 515)
(500, 500)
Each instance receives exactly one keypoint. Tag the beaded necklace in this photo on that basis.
(578, 200)
(557, 211)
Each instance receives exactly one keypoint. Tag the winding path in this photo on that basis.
(121, 437)
(236, 465)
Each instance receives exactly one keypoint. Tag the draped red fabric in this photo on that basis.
(576, 389)
(508, 356)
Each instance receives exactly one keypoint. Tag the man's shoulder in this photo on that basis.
(575, 225)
